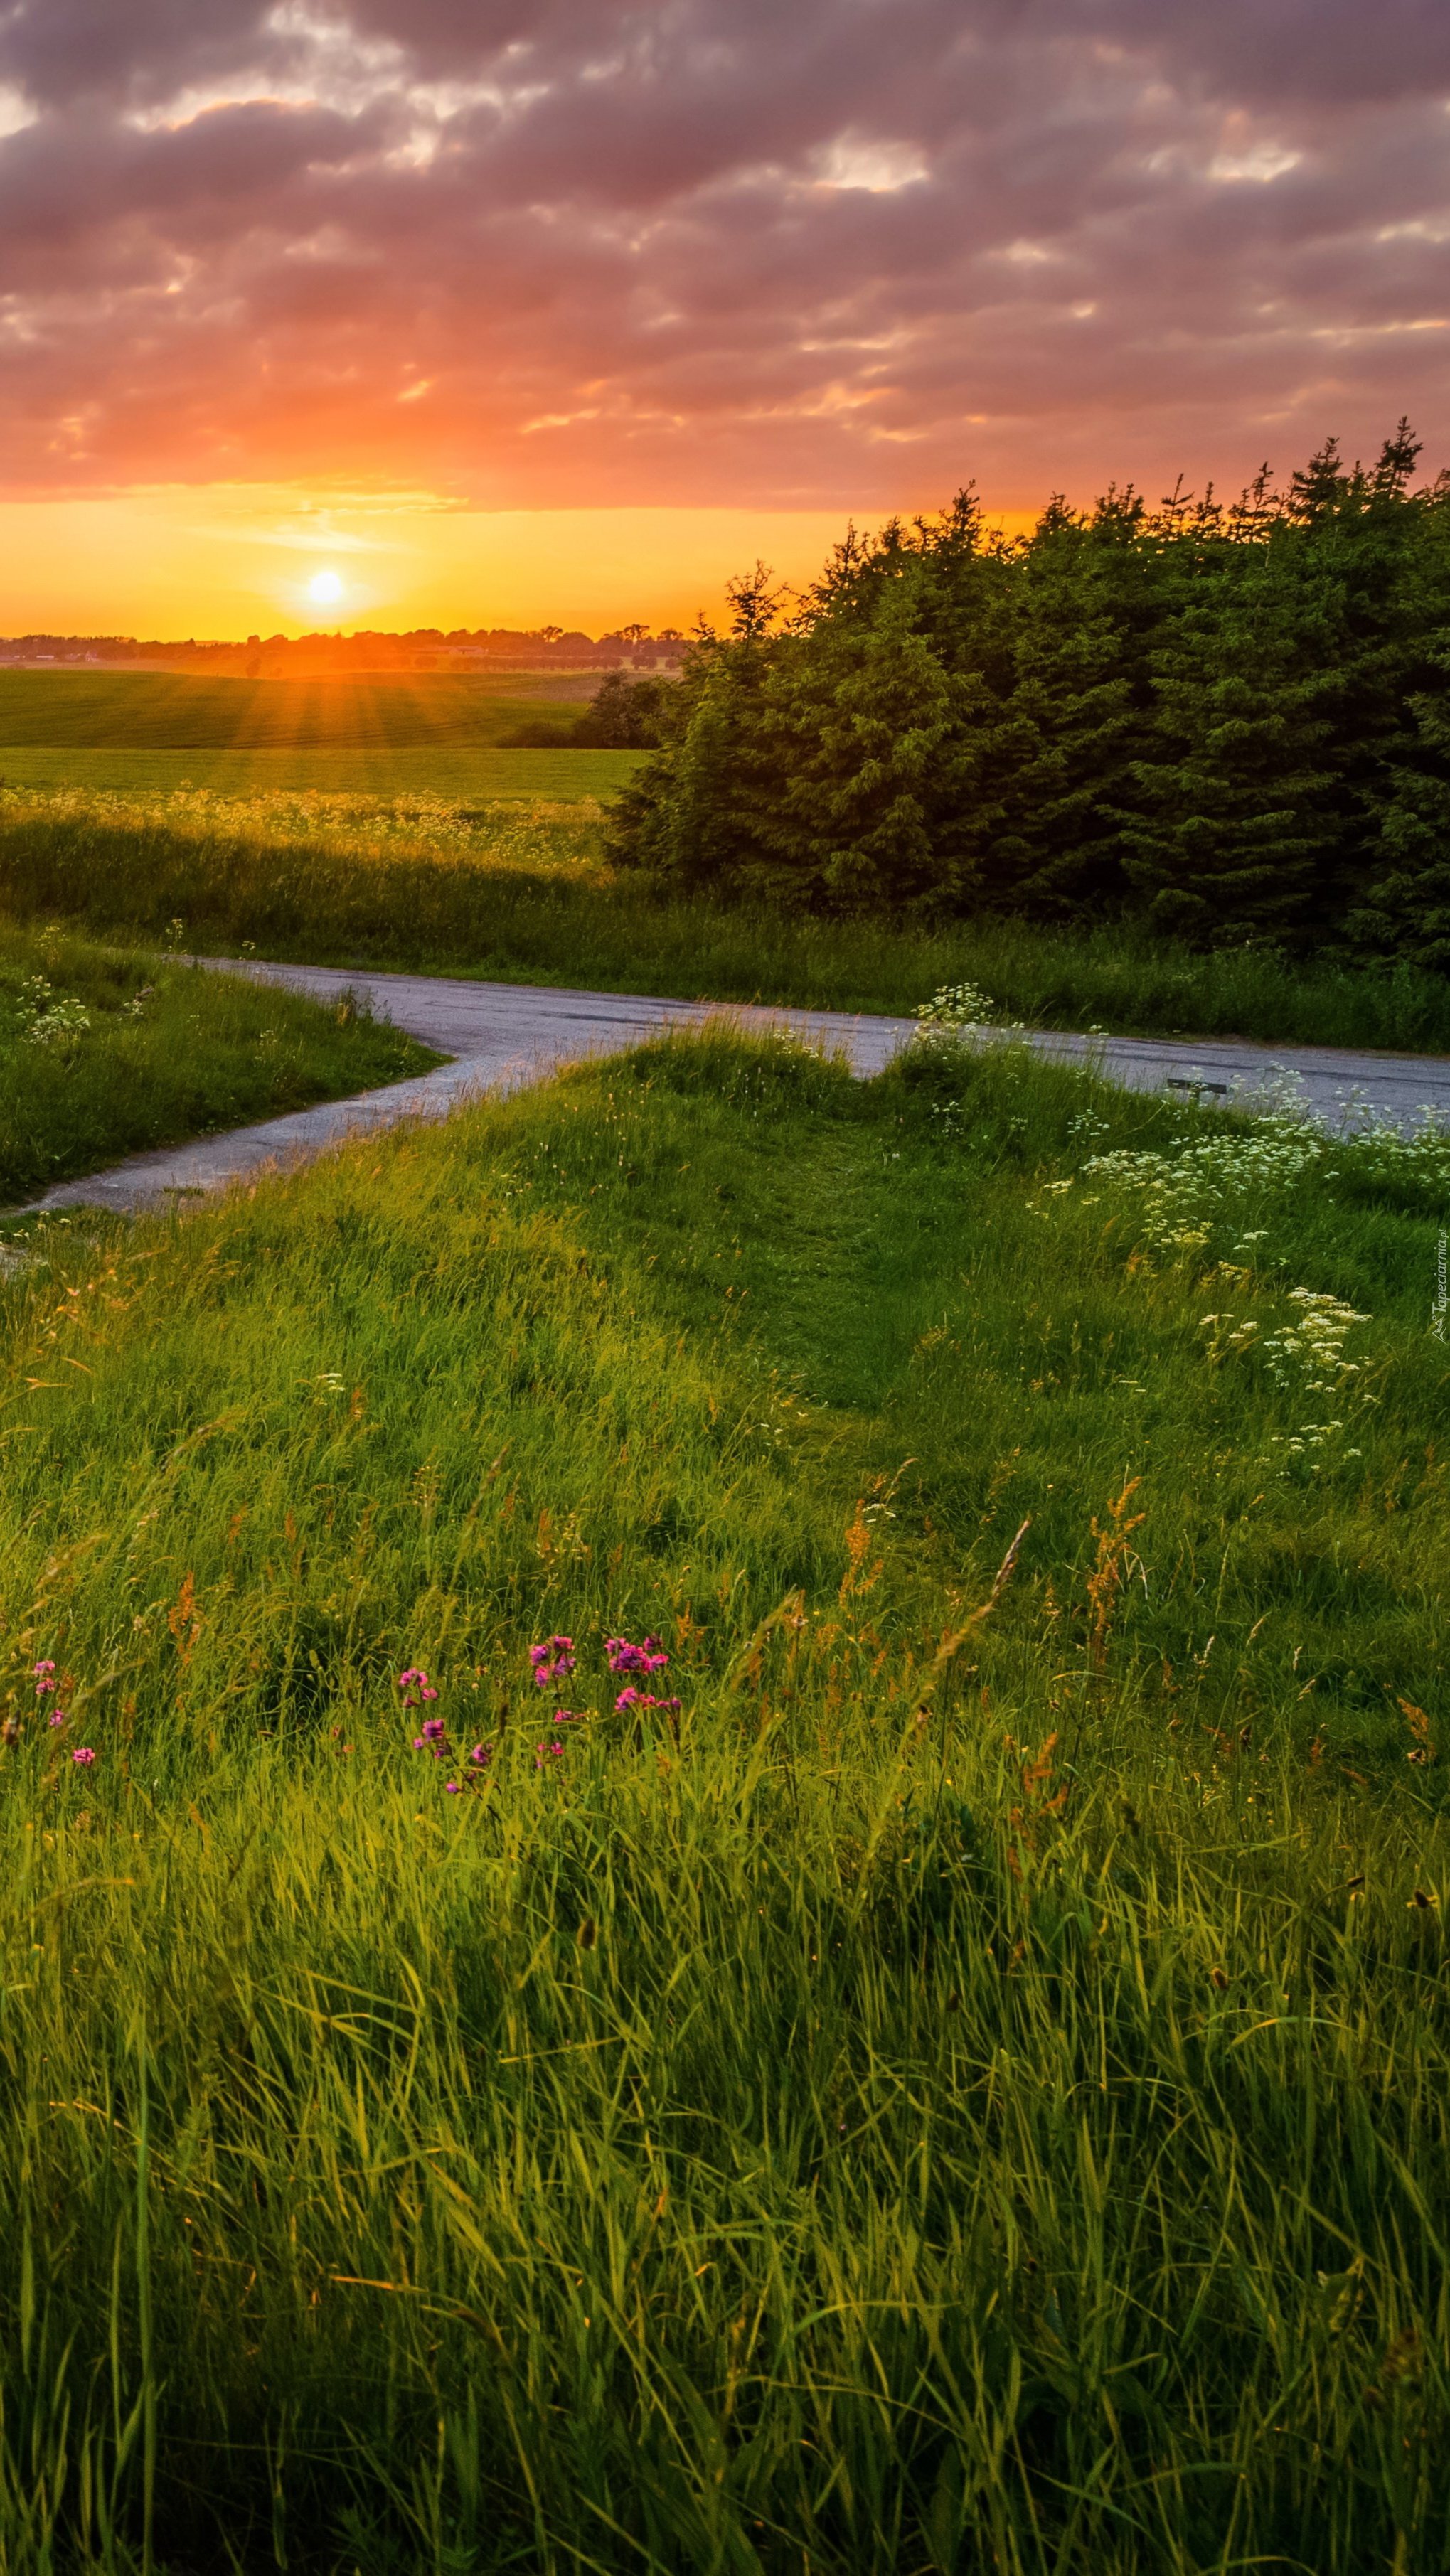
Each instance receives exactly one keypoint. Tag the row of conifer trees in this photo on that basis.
(1231, 722)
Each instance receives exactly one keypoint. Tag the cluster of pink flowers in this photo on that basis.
(635, 1699)
(553, 1662)
(644, 1659)
(550, 1663)
(43, 1674)
(552, 1751)
(44, 1684)
(433, 1737)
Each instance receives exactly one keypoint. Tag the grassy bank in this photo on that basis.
(106, 1052)
(967, 2089)
(519, 892)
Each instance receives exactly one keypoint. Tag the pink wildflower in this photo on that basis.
(645, 1658)
(631, 1698)
(553, 1662)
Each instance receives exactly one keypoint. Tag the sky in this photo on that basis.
(495, 311)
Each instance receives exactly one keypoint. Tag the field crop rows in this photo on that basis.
(164, 711)
(966, 2088)
(147, 733)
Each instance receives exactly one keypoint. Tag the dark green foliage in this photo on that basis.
(1407, 907)
(1225, 721)
(1072, 721)
(1237, 818)
(625, 715)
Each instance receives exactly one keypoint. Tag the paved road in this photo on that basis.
(504, 1035)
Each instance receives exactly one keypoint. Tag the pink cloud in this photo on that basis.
(840, 254)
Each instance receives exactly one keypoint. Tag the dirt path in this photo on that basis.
(503, 1035)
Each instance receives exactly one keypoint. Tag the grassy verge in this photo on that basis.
(105, 1052)
(518, 892)
(966, 2089)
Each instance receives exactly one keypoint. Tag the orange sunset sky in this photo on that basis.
(499, 311)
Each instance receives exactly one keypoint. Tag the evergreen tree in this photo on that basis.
(687, 814)
(1234, 826)
(1366, 548)
(1406, 908)
(1234, 718)
(877, 753)
(1067, 729)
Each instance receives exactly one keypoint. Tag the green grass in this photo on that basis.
(464, 775)
(147, 733)
(520, 892)
(172, 711)
(165, 1052)
(969, 2094)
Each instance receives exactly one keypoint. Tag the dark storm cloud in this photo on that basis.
(837, 251)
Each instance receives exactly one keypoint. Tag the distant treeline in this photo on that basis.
(1232, 722)
(422, 648)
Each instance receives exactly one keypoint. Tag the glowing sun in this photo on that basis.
(325, 588)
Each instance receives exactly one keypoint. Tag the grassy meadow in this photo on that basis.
(521, 891)
(966, 2088)
(107, 1051)
(180, 711)
(152, 733)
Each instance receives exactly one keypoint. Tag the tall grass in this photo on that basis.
(107, 1051)
(518, 892)
(968, 2090)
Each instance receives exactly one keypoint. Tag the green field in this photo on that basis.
(968, 2089)
(106, 1052)
(149, 733)
(468, 776)
(172, 711)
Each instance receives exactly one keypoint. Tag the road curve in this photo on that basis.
(501, 1036)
